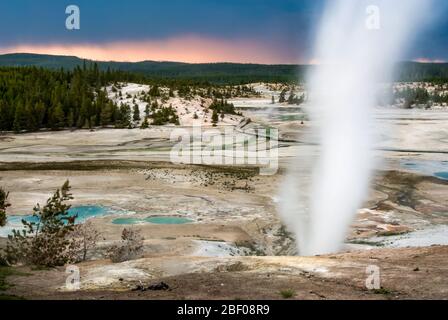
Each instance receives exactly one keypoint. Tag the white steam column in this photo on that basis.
(356, 47)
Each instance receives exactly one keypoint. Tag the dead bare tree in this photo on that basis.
(131, 246)
(87, 237)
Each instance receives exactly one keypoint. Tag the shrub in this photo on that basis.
(3, 262)
(222, 106)
(3, 205)
(288, 293)
(145, 124)
(46, 242)
(131, 246)
(165, 115)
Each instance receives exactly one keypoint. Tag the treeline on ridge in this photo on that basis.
(33, 98)
(216, 73)
(200, 73)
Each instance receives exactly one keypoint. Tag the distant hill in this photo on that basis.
(219, 73)
(211, 72)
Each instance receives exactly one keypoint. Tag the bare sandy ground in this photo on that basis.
(404, 274)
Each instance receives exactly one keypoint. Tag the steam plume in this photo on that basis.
(357, 45)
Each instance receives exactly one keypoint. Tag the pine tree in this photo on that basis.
(155, 105)
(282, 98)
(215, 118)
(145, 124)
(20, 118)
(32, 121)
(154, 91)
(4, 116)
(46, 241)
(84, 117)
(71, 119)
(125, 115)
(107, 114)
(39, 110)
(147, 111)
(58, 117)
(136, 114)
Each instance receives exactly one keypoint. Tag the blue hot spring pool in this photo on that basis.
(430, 168)
(442, 175)
(83, 212)
(125, 221)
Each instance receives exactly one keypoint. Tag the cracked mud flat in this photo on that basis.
(234, 216)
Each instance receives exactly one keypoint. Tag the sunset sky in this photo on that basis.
(257, 31)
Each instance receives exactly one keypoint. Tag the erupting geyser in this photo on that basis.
(357, 44)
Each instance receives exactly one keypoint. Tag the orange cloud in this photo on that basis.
(190, 49)
(426, 60)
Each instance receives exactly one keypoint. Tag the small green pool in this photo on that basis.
(168, 220)
(154, 220)
(127, 221)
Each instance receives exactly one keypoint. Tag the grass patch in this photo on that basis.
(84, 165)
(367, 243)
(5, 297)
(235, 267)
(393, 233)
(7, 272)
(382, 291)
(288, 293)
